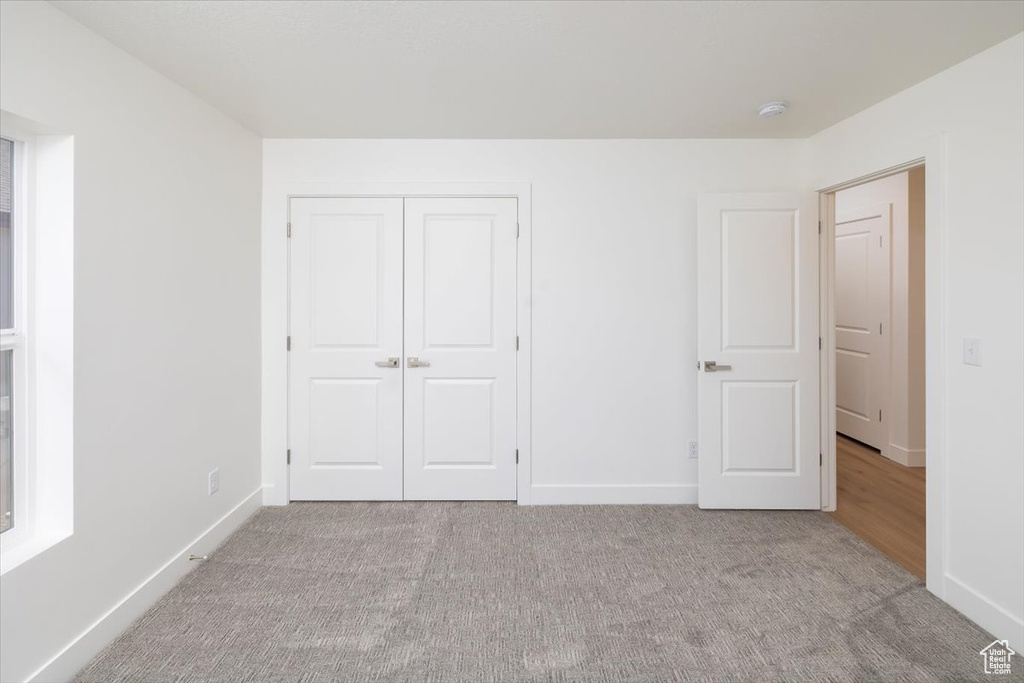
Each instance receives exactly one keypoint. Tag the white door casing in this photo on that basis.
(757, 313)
(862, 303)
(460, 318)
(345, 399)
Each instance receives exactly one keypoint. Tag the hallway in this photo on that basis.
(882, 502)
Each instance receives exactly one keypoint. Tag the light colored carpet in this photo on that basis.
(477, 592)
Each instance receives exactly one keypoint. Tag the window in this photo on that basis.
(12, 333)
(36, 339)
(13, 342)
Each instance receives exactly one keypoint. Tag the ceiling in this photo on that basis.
(545, 69)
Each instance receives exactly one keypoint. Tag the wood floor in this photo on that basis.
(882, 502)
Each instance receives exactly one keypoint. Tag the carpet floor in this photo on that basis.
(479, 592)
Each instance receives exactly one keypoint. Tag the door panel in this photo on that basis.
(458, 423)
(862, 312)
(345, 254)
(345, 422)
(460, 317)
(747, 403)
(757, 280)
(345, 411)
(758, 321)
(458, 281)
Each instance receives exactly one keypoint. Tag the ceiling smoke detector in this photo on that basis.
(771, 110)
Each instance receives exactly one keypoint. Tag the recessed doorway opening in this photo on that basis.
(875, 360)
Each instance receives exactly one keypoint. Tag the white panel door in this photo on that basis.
(862, 314)
(757, 340)
(460, 347)
(345, 374)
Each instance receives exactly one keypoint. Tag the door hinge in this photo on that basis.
(819, 343)
(289, 456)
(288, 344)
(517, 229)
(517, 456)
(879, 414)
(517, 342)
(289, 228)
(819, 227)
(821, 459)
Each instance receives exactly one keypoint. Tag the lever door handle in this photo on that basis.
(712, 366)
(414, 362)
(391, 362)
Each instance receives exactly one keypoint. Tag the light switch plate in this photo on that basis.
(972, 351)
(692, 449)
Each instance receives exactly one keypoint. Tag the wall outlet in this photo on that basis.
(972, 351)
(691, 449)
(214, 481)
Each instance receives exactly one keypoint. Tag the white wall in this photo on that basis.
(166, 328)
(905, 404)
(614, 290)
(975, 112)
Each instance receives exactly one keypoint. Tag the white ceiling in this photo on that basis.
(545, 69)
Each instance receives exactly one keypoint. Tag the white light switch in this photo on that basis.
(972, 351)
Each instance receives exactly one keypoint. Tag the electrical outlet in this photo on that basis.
(972, 351)
(214, 481)
(692, 449)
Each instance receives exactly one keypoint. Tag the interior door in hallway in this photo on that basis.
(757, 340)
(460, 347)
(862, 316)
(345, 371)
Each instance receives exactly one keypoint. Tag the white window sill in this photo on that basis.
(23, 551)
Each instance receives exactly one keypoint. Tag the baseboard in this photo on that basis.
(104, 630)
(639, 494)
(912, 457)
(274, 496)
(985, 613)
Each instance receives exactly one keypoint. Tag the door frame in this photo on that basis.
(930, 153)
(275, 281)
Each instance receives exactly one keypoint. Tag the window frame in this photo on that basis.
(18, 339)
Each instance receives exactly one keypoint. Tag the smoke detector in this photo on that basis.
(771, 110)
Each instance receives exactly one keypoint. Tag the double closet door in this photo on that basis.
(402, 361)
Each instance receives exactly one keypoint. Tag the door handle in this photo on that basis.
(391, 362)
(712, 366)
(414, 362)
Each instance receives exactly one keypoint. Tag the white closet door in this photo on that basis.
(862, 314)
(460, 347)
(345, 395)
(757, 339)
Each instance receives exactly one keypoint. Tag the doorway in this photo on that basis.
(402, 348)
(877, 305)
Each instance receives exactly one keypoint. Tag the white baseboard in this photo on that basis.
(985, 613)
(80, 651)
(912, 457)
(640, 494)
(274, 496)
